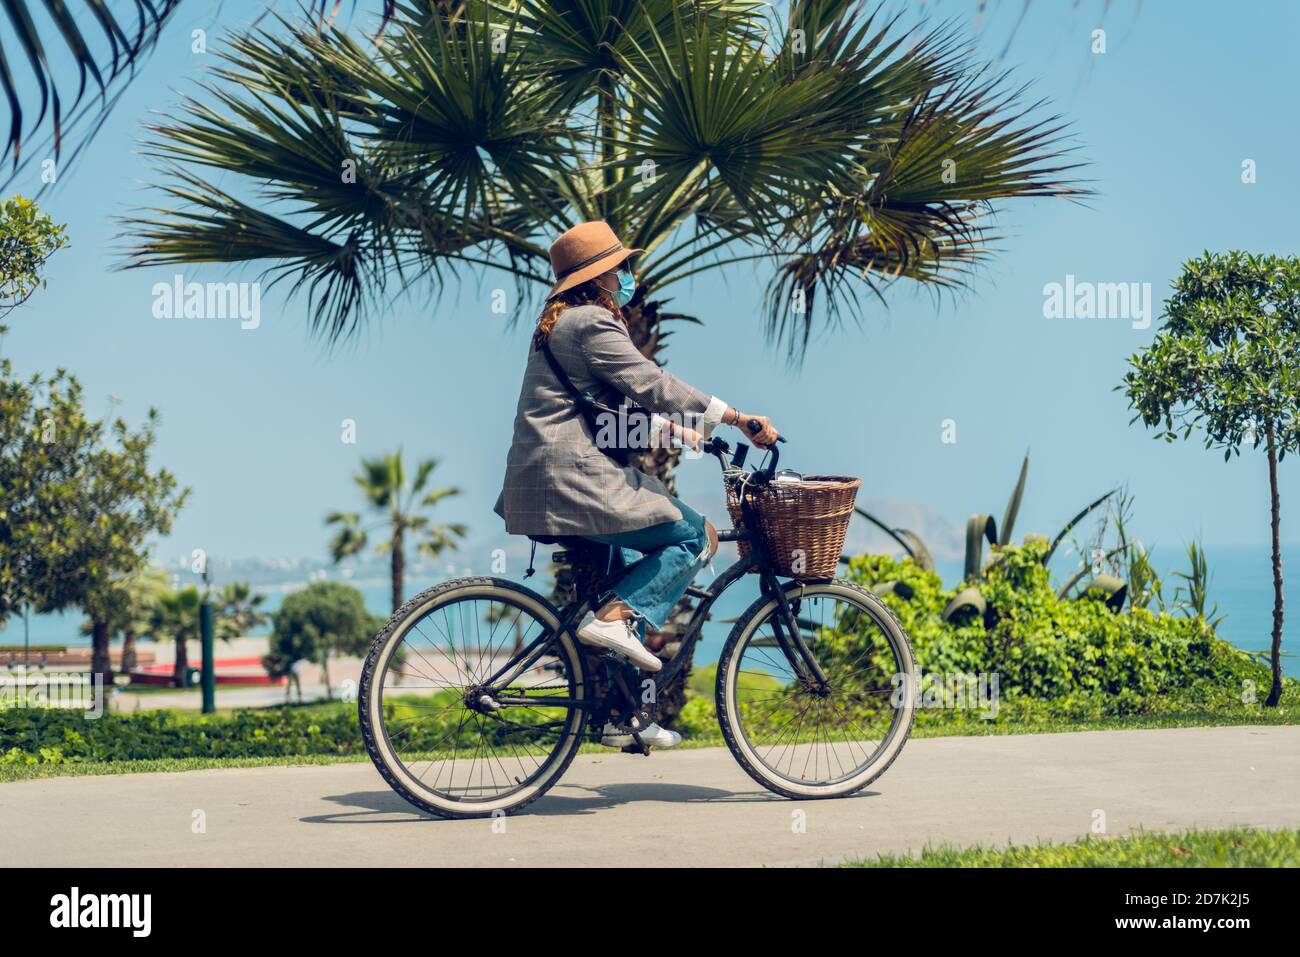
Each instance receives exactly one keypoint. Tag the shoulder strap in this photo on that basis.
(563, 376)
(589, 407)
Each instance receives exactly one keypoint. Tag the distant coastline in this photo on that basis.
(1241, 585)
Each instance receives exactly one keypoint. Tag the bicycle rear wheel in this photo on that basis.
(806, 742)
(424, 719)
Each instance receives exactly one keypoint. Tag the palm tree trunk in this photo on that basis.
(128, 651)
(180, 670)
(398, 567)
(1275, 693)
(325, 676)
(100, 663)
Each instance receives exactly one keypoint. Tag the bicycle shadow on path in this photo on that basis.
(386, 807)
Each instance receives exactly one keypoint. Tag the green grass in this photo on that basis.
(701, 738)
(29, 772)
(1235, 847)
(1134, 722)
(146, 690)
(322, 733)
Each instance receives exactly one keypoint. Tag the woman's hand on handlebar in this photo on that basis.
(758, 428)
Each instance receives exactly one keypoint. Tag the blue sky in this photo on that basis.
(1185, 92)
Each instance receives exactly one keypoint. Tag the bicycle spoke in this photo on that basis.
(435, 722)
(806, 733)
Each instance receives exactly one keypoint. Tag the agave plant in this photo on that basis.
(1125, 571)
(981, 528)
(1121, 573)
(1193, 595)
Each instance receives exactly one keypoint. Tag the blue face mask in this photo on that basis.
(626, 287)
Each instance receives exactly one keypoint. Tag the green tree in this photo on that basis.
(110, 64)
(80, 506)
(1226, 362)
(45, 437)
(324, 618)
(43, 425)
(28, 238)
(121, 504)
(383, 481)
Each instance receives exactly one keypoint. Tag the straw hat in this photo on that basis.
(585, 252)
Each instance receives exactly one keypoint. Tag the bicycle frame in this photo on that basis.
(786, 629)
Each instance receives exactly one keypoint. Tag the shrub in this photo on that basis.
(1060, 650)
(29, 733)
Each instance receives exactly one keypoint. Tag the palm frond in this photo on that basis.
(364, 162)
(929, 177)
(53, 32)
(103, 46)
(474, 131)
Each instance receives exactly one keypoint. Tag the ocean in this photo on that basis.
(1240, 583)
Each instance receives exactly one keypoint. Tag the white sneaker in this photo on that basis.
(618, 636)
(653, 736)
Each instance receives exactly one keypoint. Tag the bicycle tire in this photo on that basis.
(369, 701)
(728, 665)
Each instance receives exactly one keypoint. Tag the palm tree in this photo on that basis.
(127, 613)
(841, 150)
(383, 482)
(143, 592)
(176, 615)
(127, 43)
(239, 610)
(837, 150)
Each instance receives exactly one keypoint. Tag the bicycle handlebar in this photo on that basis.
(721, 449)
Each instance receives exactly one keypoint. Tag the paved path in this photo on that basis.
(685, 808)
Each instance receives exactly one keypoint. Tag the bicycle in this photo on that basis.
(502, 717)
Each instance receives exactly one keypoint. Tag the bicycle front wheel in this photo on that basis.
(441, 739)
(805, 741)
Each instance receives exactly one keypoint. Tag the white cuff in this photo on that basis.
(660, 431)
(712, 416)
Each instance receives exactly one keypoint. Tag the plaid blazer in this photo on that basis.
(557, 481)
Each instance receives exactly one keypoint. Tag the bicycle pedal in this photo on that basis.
(637, 746)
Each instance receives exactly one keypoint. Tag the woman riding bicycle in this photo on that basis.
(559, 482)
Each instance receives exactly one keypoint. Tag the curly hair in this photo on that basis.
(583, 294)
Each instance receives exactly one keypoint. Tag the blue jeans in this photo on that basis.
(672, 552)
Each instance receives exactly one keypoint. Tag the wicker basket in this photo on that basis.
(803, 523)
